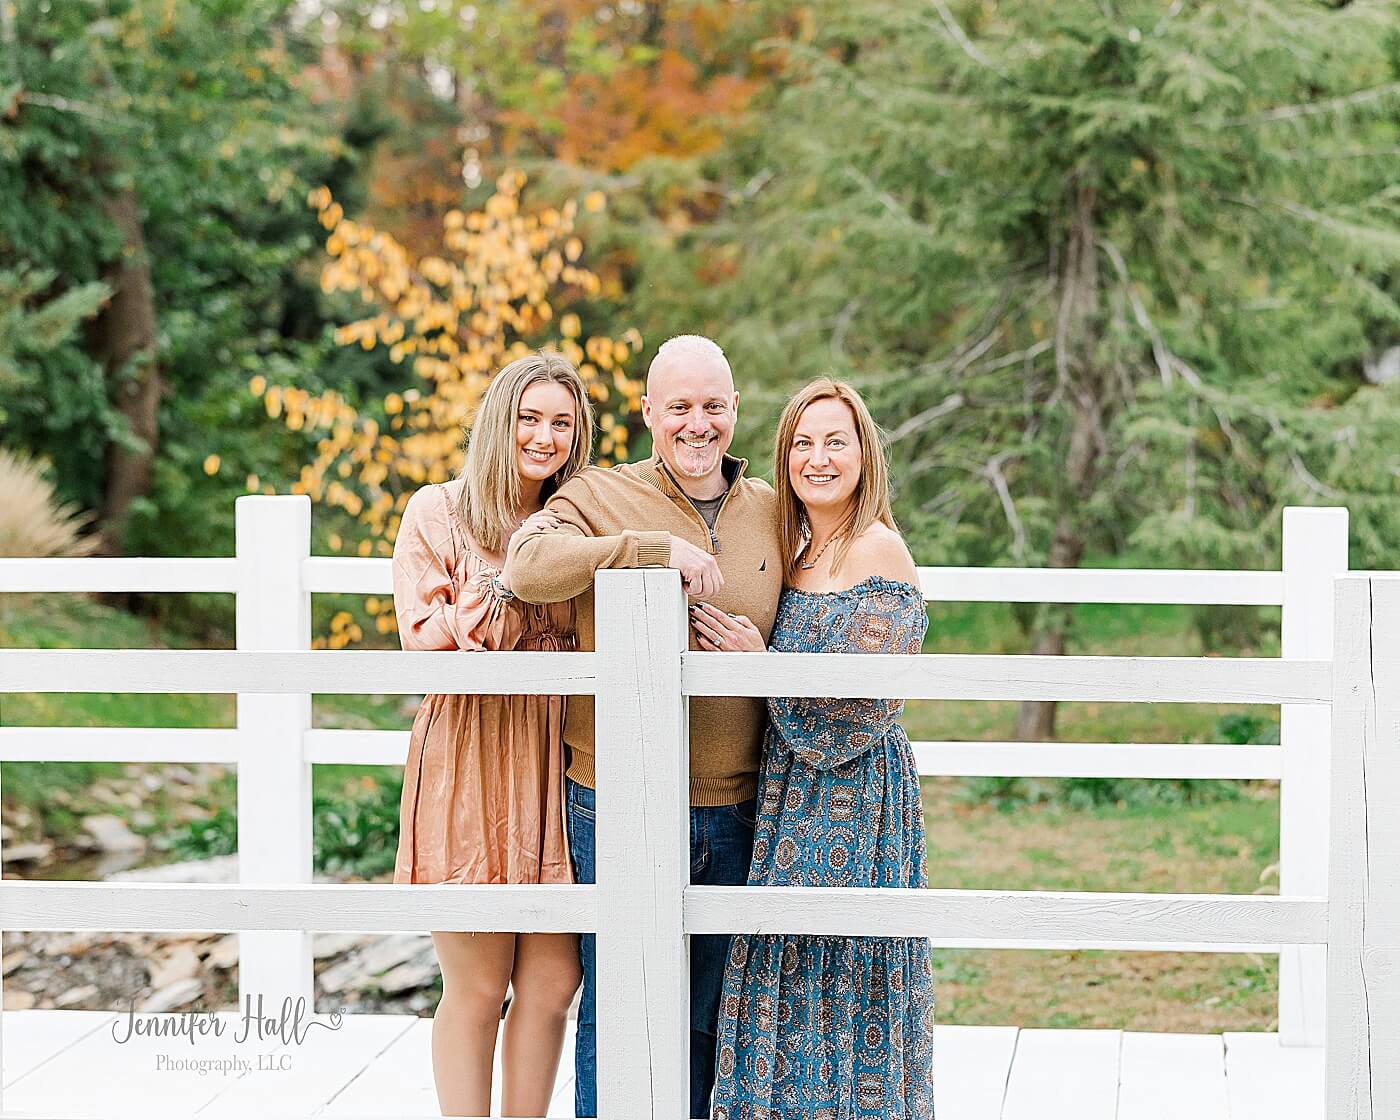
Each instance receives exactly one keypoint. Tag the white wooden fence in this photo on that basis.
(642, 675)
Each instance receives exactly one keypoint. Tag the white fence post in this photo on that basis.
(274, 780)
(643, 840)
(1363, 934)
(1314, 553)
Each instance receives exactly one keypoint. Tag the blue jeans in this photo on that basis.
(721, 847)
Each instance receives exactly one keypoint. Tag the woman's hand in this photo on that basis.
(718, 630)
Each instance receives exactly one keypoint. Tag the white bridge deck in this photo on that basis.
(68, 1063)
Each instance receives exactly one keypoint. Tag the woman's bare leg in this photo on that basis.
(476, 970)
(543, 983)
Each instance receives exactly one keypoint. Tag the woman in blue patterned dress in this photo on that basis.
(831, 1028)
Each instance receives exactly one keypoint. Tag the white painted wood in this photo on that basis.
(1380, 939)
(273, 537)
(937, 676)
(971, 1066)
(1266, 1081)
(1098, 760)
(643, 844)
(1064, 1075)
(323, 907)
(1363, 944)
(99, 1076)
(37, 1036)
(347, 575)
(1168, 1076)
(365, 748)
(1314, 553)
(320, 671)
(317, 1067)
(1012, 919)
(1100, 585)
(398, 1080)
(135, 573)
(124, 744)
(1354, 737)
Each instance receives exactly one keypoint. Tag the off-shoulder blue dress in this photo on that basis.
(836, 1028)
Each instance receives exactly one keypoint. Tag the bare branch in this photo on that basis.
(1159, 347)
(969, 48)
(1292, 112)
(928, 416)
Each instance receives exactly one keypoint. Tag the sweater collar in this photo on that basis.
(659, 475)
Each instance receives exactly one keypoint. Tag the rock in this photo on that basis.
(220, 869)
(6, 833)
(73, 997)
(18, 1001)
(224, 954)
(181, 964)
(417, 973)
(174, 995)
(180, 774)
(334, 944)
(14, 959)
(141, 818)
(111, 834)
(152, 782)
(35, 852)
(387, 953)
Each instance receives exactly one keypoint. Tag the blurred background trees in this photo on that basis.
(1119, 278)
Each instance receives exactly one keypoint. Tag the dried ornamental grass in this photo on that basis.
(32, 520)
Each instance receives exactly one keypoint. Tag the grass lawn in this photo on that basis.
(1135, 845)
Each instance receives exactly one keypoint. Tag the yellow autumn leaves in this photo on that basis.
(452, 319)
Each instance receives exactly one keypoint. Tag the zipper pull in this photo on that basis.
(714, 542)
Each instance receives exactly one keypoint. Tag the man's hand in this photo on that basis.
(699, 570)
(539, 521)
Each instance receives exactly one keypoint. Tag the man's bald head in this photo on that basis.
(686, 352)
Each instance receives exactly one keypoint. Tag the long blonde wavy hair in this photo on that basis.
(490, 498)
(872, 494)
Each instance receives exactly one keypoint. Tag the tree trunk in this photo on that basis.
(124, 341)
(1087, 390)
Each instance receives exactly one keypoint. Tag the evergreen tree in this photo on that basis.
(1109, 270)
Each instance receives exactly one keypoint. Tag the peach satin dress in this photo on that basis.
(483, 789)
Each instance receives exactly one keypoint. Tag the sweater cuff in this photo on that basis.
(653, 550)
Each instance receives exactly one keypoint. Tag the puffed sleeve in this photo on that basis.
(435, 610)
(826, 733)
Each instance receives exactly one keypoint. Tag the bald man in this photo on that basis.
(690, 507)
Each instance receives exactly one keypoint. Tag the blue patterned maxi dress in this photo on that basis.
(833, 1028)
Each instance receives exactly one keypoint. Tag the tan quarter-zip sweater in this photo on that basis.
(623, 517)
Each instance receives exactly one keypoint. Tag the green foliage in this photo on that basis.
(355, 831)
(204, 111)
(1109, 274)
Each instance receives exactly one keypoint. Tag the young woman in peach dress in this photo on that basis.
(484, 780)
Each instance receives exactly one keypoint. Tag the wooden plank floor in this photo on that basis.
(68, 1063)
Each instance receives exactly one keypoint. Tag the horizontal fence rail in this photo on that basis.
(91, 573)
(295, 671)
(943, 676)
(330, 907)
(1040, 919)
(1098, 760)
(127, 744)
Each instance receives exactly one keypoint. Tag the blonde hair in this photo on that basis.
(490, 500)
(872, 493)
